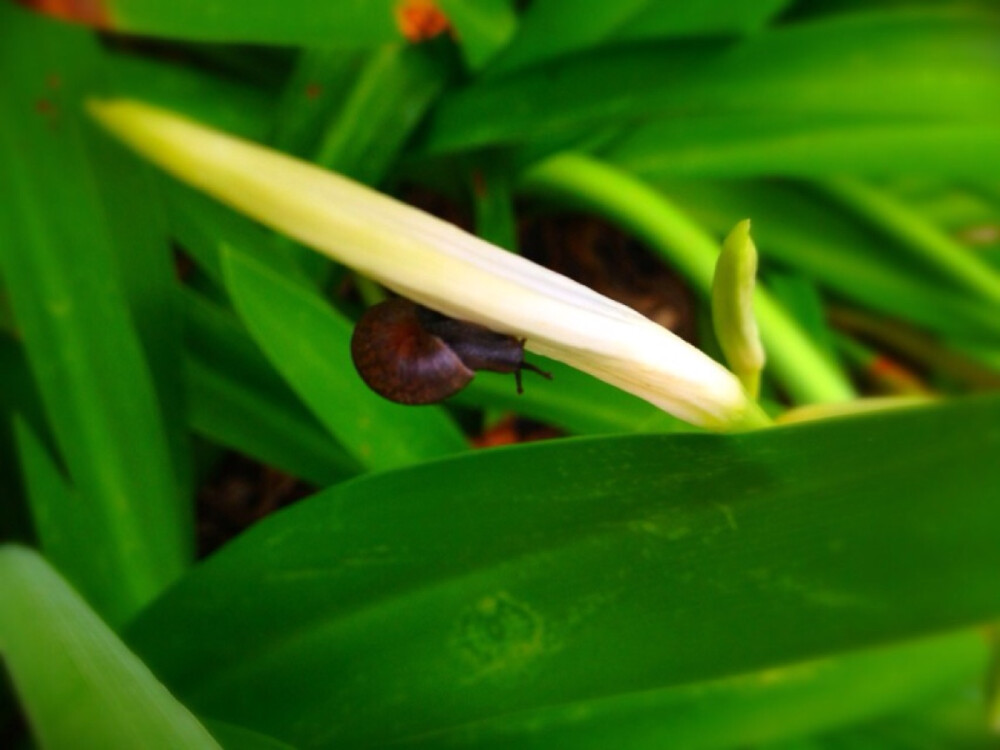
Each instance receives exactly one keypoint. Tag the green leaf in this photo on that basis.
(764, 143)
(58, 258)
(584, 182)
(236, 399)
(179, 85)
(389, 98)
(576, 402)
(79, 684)
(203, 226)
(829, 246)
(549, 30)
(316, 88)
(308, 342)
(935, 65)
(138, 226)
(233, 737)
(581, 571)
(741, 711)
(18, 400)
(293, 22)
(482, 27)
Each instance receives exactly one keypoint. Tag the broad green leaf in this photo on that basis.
(740, 711)
(59, 262)
(580, 571)
(934, 65)
(308, 342)
(957, 722)
(79, 684)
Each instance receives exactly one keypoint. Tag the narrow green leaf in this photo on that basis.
(549, 30)
(576, 402)
(138, 227)
(708, 17)
(319, 83)
(226, 103)
(19, 400)
(57, 256)
(804, 302)
(935, 64)
(388, 100)
(236, 399)
(275, 431)
(79, 684)
(493, 201)
(309, 344)
(794, 227)
(202, 226)
(482, 27)
(947, 258)
(59, 514)
(763, 143)
(587, 570)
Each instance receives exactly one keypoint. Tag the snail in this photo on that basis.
(412, 355)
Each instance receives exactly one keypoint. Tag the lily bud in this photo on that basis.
(439, 265)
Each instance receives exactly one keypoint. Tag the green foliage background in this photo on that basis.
(635, 584)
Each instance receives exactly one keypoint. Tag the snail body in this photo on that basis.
(412, 355)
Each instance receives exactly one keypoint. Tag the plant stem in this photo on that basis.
(807, 374)
(923, 239)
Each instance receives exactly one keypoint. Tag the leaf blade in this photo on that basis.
(572, 549)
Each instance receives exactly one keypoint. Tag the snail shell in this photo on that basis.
(412, 355)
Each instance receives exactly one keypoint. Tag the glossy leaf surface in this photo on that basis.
(577, 571)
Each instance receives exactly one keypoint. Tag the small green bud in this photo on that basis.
(732, 307)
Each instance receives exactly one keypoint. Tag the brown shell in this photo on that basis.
(398, 359)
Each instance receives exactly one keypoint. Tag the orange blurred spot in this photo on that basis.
(89, 12)
(420, 19)
(882, 365)
(504, 433)
(894, 376)
(479, 185)
(313, 90)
